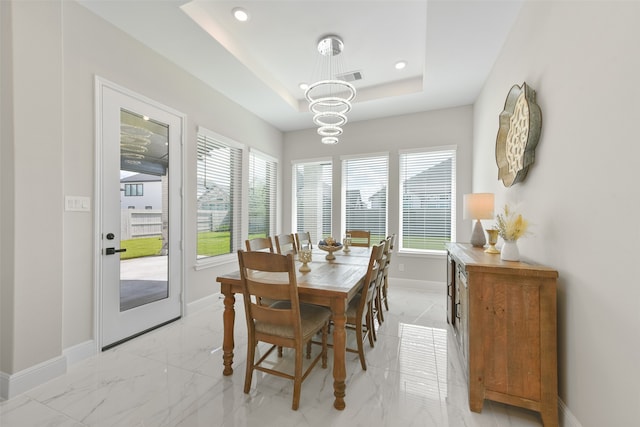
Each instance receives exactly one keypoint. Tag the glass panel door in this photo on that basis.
(140, 208)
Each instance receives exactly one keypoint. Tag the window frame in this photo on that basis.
(452, 149)
(138, 187)
(273, 191)
(239, 199)
(294, 197)
(344, 161)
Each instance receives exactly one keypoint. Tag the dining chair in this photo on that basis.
(286, 243)
(286, 323)
(303, 238)
(377, 299)
(385, 279)
(360, 238)
(360, 309)
(259, 244)
(264, 244)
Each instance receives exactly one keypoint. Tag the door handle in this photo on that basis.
(112, 251)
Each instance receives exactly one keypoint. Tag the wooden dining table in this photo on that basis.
(330, 283)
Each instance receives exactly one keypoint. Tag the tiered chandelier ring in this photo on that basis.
(330, 100)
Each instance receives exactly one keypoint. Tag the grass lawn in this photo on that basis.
(213, 243)
(136, 248)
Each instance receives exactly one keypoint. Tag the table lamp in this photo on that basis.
(478, 206)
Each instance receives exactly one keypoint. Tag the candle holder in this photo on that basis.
(493, 239)
(304, 256)
(347, 243)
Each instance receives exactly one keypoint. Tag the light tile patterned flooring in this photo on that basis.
(173, 377)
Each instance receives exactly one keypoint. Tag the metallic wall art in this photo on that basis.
(518, 135)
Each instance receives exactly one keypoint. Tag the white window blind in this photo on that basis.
(219, 195)
(427, 199)
(262, 195)
(364, 197)
(312, 183)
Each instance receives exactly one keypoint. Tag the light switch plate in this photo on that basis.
(77, 203)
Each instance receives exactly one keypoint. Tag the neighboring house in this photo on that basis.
(353, 200)
(141, 191)
(215, 198)
(425, 190)
(214, 208)
(379, 199)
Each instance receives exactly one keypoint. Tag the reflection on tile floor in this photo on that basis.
(173, 377)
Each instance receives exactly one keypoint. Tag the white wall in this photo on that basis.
(58, 49)
(582, 194)
(437, 128)
(6, 189)
(34, 180)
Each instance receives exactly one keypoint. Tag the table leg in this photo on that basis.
(339, 352)
(228, 319)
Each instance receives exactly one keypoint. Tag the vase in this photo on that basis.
(509, 251)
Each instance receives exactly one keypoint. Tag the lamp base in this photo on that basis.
(477, 237)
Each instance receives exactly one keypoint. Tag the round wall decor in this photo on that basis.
(518, 134)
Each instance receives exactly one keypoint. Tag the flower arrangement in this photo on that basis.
(511, 225)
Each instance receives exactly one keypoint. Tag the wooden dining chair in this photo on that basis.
(259, 244)
(263, 244)
(377, 299)
(303, 238)
(385, 280)
(360, 238)
(360, 309)
(286, 323)
(286, 243)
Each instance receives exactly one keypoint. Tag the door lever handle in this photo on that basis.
(112, 251)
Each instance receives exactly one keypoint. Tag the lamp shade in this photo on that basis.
(478, 206)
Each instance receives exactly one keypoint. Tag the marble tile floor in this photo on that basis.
(173, 377)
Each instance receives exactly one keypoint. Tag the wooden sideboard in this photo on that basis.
(503, 316)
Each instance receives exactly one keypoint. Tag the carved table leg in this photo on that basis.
(339, 353)
(228, 319)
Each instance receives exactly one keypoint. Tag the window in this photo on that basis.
(312, 198)
(427, 198)
(364, 196)
(262, 195)
(134, 189)
(219, 194)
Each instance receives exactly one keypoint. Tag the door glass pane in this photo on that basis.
(144, 208)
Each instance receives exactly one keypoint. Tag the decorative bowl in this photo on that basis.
(322, 244)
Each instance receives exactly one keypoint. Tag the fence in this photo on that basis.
(140, 223)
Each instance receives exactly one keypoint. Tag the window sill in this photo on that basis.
(422, 254)
(210, 262)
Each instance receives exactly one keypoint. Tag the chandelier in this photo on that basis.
(330, 98)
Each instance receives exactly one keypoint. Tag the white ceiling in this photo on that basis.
(450, 47)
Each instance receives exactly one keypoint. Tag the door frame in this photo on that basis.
(99, 85)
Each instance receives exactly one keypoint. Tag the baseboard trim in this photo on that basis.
(12, 385)
(80, 352)
(424, 285)
(567, 419)
(202, 303)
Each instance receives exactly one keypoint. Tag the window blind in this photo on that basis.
(427, 191)
(262, 195)
(312, 184)
(364, 197)
(219, 195)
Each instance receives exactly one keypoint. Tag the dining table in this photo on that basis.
(329, 283)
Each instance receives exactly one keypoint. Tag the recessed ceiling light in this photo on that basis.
(303, 86)
(400, 65)
(240, 14)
